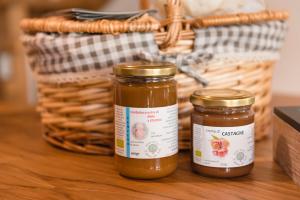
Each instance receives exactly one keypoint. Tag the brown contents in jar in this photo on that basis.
(232, 112)
(146, 92)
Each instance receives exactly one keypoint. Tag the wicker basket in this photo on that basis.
(78, 116)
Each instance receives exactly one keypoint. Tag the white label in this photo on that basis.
(146, 133)
(223, 146)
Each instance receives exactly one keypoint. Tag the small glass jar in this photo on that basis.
(222, 132)
(146, 120)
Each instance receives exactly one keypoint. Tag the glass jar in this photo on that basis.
(146, 120)
(222, 132)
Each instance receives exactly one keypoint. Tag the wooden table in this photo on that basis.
(32, 169)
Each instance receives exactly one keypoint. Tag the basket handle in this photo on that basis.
(173, 22)
(144, 4)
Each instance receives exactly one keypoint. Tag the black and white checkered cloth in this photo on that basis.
(243, 38)
(67, 54)
(56, 54)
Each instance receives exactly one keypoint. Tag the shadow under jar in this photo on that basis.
(146, 120)
(222, 133)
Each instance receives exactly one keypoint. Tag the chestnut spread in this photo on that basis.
(222, 132)
(146, 120)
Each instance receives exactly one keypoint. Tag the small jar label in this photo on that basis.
(146, 133)
(223, 147)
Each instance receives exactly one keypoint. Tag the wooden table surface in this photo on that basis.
(32, 169)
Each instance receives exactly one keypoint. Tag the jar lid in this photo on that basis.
(145, 69)
(222, 98)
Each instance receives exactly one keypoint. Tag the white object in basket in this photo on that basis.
(198, 8)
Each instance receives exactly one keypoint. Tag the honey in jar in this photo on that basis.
(222, 132)
(146, 120)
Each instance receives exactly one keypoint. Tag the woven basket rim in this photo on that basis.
(173, 25)
(40, 24)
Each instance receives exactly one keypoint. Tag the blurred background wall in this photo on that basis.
(287, 72)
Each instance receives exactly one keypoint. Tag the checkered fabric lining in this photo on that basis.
(57, 54)
(242, 38)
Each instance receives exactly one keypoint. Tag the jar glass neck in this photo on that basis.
(135, 79)
(223, 110)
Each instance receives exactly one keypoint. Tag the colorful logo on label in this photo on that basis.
(219, 146)
(140, 131)
(240, 157)
(152, 149)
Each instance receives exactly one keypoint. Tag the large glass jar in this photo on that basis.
(146, 120)
(222, 132)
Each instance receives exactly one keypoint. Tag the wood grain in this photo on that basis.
(32, 169)
(286, 141)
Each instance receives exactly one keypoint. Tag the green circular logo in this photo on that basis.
(152, 148)
(240, 156)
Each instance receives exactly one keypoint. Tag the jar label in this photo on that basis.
(223, 147)
(146, 133)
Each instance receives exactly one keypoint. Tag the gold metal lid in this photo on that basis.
(222, 98)
(145, 69)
